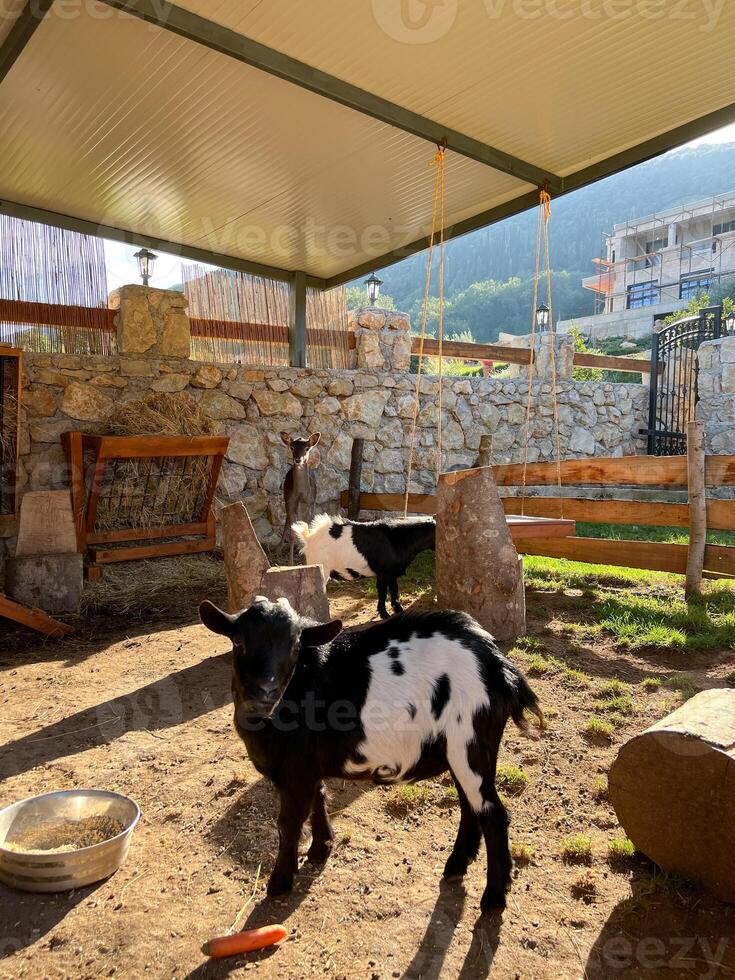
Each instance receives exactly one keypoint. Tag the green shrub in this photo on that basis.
(576, 849)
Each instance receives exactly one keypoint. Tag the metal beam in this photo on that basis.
(612, 165)
(85, 227)
(297, 321)
(221, 39)
(21, 32)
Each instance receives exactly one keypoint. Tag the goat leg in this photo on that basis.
(296, 802)
(322, 835)
(382, 585)
(394, 595)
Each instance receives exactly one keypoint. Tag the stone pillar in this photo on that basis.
(563, 349)
(383, 339)
(716, 384)
(151, 321)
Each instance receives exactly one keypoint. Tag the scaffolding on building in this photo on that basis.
(711, 255)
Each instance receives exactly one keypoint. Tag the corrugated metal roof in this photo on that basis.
(118, 122)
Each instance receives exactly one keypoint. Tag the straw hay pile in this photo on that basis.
(162, 490)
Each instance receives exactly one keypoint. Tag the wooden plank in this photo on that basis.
(473, 352)
(355, 479)
(57, 314)
(608, 362)
(721, 515)
(522, 355)
(147, 533)
(128, 447)
(46, 524)
(36, 619)
(720, 559)
(652, 555)
(418, 503)
(642, 471)
(539, 527)
(720, 471)
(106, 556)
(647, 513)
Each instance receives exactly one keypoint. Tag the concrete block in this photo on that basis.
(53, 583)
(302, 585)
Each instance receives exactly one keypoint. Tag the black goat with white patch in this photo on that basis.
(403, 700)
(357, 549)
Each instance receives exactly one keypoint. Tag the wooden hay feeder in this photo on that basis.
(132, 495)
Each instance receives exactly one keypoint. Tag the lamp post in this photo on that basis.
(542, 317)
(146, 261)
(730, 324)
(373, 285)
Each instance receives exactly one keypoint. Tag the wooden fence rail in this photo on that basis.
(522, 355)
(669, 472)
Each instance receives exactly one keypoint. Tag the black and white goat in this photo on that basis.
(357, 549)
(403, 700)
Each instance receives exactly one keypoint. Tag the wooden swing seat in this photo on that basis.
(538, 527)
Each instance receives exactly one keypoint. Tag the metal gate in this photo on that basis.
(673, 394)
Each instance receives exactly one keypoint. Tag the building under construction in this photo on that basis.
(654, 265)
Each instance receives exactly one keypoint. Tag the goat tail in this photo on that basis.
(522, 700)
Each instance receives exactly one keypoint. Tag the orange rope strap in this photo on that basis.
(437, 212)
(544, 214)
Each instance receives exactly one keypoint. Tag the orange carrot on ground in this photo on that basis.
(244, 942)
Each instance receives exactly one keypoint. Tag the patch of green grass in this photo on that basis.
(450, 794)
(666, 621)
(403, 799)
(560, 574)
(596, 728)
(576, 849)
(638, 532)
(584, 631)
(511, 779)
(651, 683)
(620, 705)
(539, 665)
(576, 679)
(620, 850)
(528, 643)
(522, 854)
(614, 689)
(683, 684)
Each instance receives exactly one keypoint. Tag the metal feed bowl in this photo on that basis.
(43, 871)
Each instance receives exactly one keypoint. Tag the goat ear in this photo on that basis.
(315, 636)
(216, 620)
(286, 438)
(314, 438)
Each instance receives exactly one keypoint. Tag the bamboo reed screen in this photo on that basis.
(242, 318)
(45, 267)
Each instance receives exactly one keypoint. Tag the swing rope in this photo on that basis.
(542, 240)
(437, 213)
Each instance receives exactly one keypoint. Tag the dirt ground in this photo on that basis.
(142, 705)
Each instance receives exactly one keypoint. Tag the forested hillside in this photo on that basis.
(488, 285)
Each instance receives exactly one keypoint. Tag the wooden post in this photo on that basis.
(353, 491)
(245, 560)
(697, 507)
(297, 321)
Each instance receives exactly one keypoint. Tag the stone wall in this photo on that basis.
(253, 405)
(716, 383)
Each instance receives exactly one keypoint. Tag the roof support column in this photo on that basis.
(297, 321)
